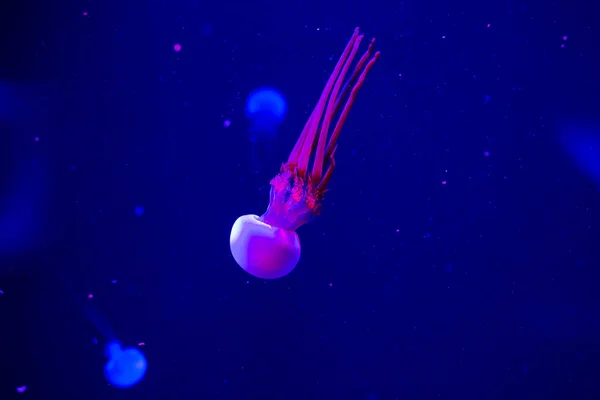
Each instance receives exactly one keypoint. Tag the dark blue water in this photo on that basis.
(456, 254)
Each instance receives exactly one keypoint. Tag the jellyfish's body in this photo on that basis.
(275, 251)
(266, 108)
(268, 246)
(125, 367)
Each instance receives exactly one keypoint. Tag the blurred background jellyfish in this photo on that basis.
(125, 366)
(581, 140)
(266, 109)
(22, 176)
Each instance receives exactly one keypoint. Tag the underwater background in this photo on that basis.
(456, 256)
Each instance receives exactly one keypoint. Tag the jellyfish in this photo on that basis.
(125, 366)
(266, 108)
(268, 246)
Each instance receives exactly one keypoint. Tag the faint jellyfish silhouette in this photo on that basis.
(266, 108)
(125, 366)
(581, 140)
(22, 173)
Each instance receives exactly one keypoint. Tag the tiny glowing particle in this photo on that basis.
(141, 344)
(486, 153)
(90, 296)
(330, 284)
(227, 123)
(138, 210)
(488, 25)
(1, 292)
(85, 13)
(21, 389)
(37, 139)
(177, 47)
(565, 37)
(444, 182)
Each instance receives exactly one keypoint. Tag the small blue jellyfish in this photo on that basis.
(266, 108)
(125, 367)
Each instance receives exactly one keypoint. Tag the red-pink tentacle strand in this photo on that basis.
(323, 184)
(357, 69)
(317, 171)
(340, 123)
(311, 131)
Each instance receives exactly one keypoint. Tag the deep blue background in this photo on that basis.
(484, 287)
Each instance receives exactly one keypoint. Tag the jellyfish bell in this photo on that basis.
(266, 108)
(125, 367)
(266, 102)
(263, 250)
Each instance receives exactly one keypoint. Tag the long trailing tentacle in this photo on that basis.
(315, 136)
(340, 122)
(317, 170)
(359, 66)
(309, 133)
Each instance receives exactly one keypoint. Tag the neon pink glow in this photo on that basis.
(268, 246)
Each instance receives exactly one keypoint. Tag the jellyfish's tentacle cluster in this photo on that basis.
(268, 247)
(296, 192)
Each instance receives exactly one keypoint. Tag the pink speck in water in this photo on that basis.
(177, 47)
(486, 153)
(330, 284)
(21, 389)
(1, 292)
(444, 182)
(565, 37)
(489, 25)
(90, 296)
(85, 13)
(141, 344)
(227, 123)
(562, 46)
(37, 139)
